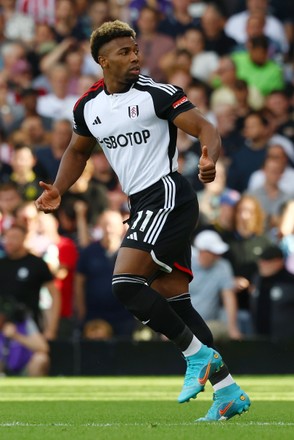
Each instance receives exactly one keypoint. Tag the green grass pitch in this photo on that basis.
(118, 408)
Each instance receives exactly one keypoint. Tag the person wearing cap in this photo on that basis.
(224, 223)
(281, 149)
(273, 296)
(212, 289)
(28, 98)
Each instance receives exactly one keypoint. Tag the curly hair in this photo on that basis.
(107, 32)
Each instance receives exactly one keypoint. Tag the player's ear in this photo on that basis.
(102, 61)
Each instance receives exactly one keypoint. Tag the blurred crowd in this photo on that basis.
(235, 61)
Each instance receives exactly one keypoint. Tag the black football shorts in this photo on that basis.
(162, 220)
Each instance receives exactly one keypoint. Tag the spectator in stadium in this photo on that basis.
(48, 158)
(257, 69)
(33, 132)
(23, 175)
(177, 61)
(56, 103)
(43, 43)
(74, 56)
(177, 19)
(199, 94)
(74, 60)
(42, 11)
(272, 297)
(10, 110)
(10, 198)
(162, 6)
(246, 242)
(281, 150)
(94, 298)
(18, 26)
(22, 275)
(226, 123)
(225, 221)
(250, 155)
(212, 23)
(28, 98)
(270, 196)
(243, 105)
(204, 62)
(5, 158)
(67, 21)
(61, 256)
(285, 234)
(97, 12)
(91, 194)
(23, 349)
(224, 79)
(150, 179)
(27, 214)
(212, 290)
(255, 26)
(236, 24)
(279, 103)
(153, 45)
(12, 51)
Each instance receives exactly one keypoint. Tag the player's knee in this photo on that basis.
(126, 286)
(133, 292)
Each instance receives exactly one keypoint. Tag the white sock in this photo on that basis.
(223, 383)
(193, 348)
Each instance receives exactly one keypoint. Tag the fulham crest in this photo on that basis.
(133, 111)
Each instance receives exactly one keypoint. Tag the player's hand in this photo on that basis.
(49, 200)
(206, 167)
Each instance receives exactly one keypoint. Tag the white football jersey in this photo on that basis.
(135, 129)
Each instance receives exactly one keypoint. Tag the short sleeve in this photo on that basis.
(79, 124)
(170, 101)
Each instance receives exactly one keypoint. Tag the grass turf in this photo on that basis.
(112, 408)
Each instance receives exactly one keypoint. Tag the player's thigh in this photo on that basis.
(134, 261)
(171, 284)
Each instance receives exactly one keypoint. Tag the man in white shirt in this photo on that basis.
(236, 24)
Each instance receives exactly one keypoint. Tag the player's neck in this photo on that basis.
(113, 86)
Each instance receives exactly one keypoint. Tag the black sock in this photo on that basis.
(183, 307)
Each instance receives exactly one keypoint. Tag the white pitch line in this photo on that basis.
(113, 425)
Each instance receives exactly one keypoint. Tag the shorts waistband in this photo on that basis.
(139, 194)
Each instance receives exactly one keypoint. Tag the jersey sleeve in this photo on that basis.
(170, 101)
(79, 124)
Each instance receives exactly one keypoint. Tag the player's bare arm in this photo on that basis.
(193, 123)
(71, 167)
